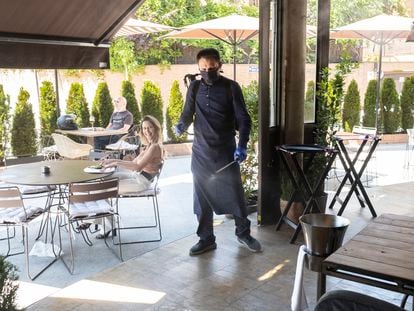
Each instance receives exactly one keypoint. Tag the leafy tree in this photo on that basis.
(390, 106)
(174, 109)
(151, 101)
(123, 56)
(23, 140)
(8, 285)
(352, 107)
(48, 109)
(4, 120)
(407, 103)
(310, 102)
(128, 91)
(370, 104)
(77, 105)
(177, 13)
(102, 107)
(344, 12)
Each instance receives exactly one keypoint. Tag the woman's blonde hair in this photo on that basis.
(157, 126)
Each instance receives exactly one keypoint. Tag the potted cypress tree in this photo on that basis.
(390, 106)
(369, 104)
(23, 135)
(151, 101)
(102, 107)
(175, 106)
(4, 122)
(77, 105)
(128, 91)
(407, 103)
(48, 112)
(352, 106)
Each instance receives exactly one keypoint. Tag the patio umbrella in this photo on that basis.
(232, 29)
(136, 27)
(380, 30)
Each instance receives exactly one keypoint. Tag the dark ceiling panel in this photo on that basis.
(51, 23)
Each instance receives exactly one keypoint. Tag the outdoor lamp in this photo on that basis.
(410, 37)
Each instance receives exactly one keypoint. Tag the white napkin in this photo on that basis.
(298, 301)
(40, 249)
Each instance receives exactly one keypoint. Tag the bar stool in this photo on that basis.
(304, 191)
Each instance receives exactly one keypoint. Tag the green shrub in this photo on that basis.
(4, 121)
(102, 106)
(23, 140)
(352, 107)
(8, 285)
(249, 168)
(369, 104)
(390, 106)
(309, 112)
(48, 109)
(174, 109)
(407, 103)
(128, 92)
(151, 101)
(77, 105)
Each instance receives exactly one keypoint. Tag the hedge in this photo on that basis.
(23, 135)
(48, 109)
(128, 91)
(390, 106)
(352, 107)
(174, 109)
(77, 105)
(102, 106)
(151, 101)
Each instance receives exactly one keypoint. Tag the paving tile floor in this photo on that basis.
(162, 276)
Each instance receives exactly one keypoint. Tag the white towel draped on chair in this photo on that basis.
(299, 302)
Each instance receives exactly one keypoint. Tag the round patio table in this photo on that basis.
(61, 173)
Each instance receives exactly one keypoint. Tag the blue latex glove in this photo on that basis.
(179, 129)
(240, 154)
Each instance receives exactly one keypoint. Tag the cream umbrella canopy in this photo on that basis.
(232, 29)
(380, 30)
(135, 26)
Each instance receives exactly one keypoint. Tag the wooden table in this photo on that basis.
(91, 132)
(381, 255)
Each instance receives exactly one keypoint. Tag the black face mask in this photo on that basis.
(211, 76)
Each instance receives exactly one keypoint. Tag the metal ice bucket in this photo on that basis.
(323, 233)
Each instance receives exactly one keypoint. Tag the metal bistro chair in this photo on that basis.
(69, 149)
(13, 212)
(89, 201)
(409, 147)
(152, 192)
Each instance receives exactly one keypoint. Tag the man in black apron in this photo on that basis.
(216, 106)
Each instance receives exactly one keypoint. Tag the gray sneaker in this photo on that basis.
(251, 243)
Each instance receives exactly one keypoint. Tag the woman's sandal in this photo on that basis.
(100, 236)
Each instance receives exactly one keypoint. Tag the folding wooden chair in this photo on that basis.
(89, 201)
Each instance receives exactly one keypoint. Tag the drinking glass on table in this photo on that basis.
(92, 121)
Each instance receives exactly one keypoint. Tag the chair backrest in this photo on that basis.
(10, 197)
(70, 149)
(410, 133)
(93, 191)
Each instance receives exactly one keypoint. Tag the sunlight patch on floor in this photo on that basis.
(30, 292)
(92, 290)
(269, 274)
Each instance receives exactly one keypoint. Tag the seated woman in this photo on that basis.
(137, 175)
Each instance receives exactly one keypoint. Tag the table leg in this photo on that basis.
(321, 287)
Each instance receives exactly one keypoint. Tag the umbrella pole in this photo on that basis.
(377, 102)
(234, 56)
